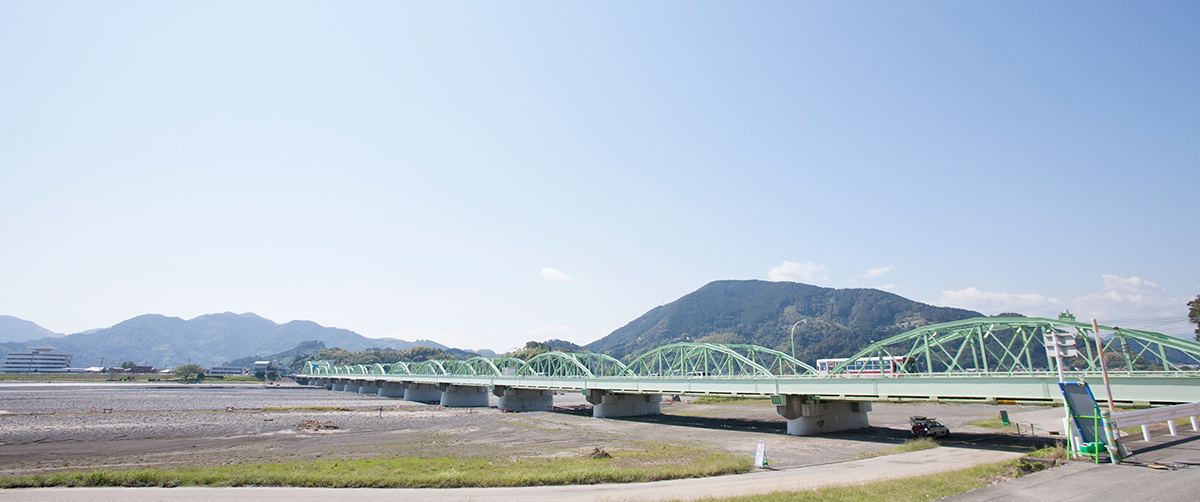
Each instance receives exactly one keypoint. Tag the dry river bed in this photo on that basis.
(52, 427)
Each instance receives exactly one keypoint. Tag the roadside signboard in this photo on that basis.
(1084, 410)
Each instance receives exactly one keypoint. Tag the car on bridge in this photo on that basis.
(928, 426)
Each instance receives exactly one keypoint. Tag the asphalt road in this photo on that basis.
(1166, 469)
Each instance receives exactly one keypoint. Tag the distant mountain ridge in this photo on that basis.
(208, 340)
(833, 322)
(13, 329)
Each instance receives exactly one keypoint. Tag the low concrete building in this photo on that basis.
(37, 360)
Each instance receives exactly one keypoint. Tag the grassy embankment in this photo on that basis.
(650, 463)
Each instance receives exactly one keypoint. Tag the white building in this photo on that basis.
(225, 370)
(37, 360)
(264, 366)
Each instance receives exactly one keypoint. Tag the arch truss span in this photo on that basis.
(573, 365)
(316, 367)
(498, 366)
(442, 367)
(1016, 345)
(716, 360)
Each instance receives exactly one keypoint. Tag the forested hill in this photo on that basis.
(839, 321)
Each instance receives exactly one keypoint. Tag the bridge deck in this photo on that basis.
(1034, 388)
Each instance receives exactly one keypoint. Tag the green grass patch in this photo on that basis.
(731, 400)
(918, 489)
(306, 408)
(122, 377)
(991, 423)
(1055, 452)
(75, 377)
(648, 464)
(918, 444)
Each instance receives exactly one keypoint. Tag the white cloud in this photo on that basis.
(1124, 300)
(1136, 284)
(805, 271)
(995, 303)
(877, 271)
(554, 275)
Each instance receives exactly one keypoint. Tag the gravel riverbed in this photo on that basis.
(50, 427)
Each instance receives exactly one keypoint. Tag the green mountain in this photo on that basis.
(833, 322)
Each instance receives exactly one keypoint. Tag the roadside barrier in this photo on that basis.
(1168, 414)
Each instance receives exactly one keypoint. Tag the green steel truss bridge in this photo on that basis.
(991, 360)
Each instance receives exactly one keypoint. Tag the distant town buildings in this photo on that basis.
(37, 360)
(225, 370)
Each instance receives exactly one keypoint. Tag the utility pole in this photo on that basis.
(1112, 408)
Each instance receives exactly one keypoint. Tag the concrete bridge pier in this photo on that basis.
(422, 392)
(352, 386)
(524, 399)
(337, 385)
(463, 396)
(391, 389)
(607, 405)
(806, 416)
(368, 387)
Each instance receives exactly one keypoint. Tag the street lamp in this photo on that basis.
(794, 336)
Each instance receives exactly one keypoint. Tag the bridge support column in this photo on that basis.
(368, 387)
(337, 385)
(605, 405)
(524, 399)
(391, 389)
(807, 417)
(464, 396)
(422, 392)
(352, 386)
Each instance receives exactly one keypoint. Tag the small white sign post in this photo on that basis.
(760, 455)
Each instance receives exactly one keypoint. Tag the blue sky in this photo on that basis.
(484, 174)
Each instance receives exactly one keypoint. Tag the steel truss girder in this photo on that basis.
(1011, 345)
